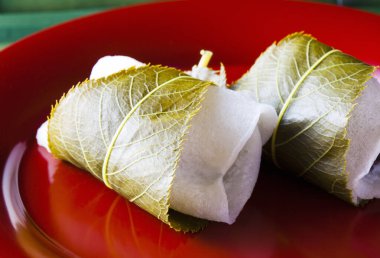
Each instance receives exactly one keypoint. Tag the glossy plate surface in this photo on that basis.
(49, 207)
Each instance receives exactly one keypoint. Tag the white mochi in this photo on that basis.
(112, 64)
(42, 135)
(221, 156)
(364, 133)
(207, 74)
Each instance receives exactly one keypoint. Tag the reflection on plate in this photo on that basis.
(53, 208)
(58, 209)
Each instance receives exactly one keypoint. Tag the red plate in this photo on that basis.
(69, 213)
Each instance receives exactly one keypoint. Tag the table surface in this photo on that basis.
(19, 18)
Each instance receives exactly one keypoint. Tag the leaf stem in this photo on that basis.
(205, 59)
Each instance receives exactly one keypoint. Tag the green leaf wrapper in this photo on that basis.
(127, 129)
(313, 88)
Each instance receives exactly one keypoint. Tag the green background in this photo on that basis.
(19, 18)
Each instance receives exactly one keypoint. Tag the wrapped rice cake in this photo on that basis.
(167, 141)
(328, 130)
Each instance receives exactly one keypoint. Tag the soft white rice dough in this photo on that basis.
(42, 136)
(205, 73)
(108, 65)
(364, 133)
(221, 155)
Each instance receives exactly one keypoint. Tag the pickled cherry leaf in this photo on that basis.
(127, 130)
(313, 88)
